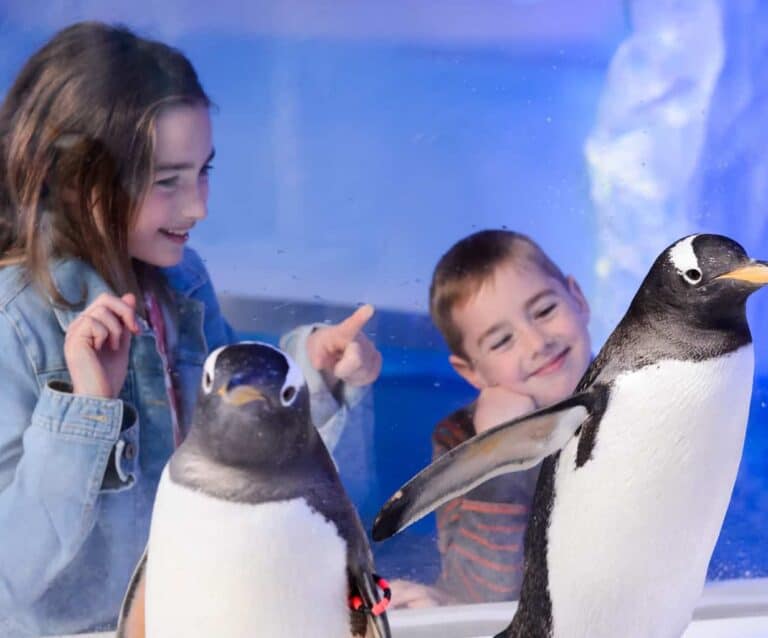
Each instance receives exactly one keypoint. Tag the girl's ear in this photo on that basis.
(467, 372)
(581, 301)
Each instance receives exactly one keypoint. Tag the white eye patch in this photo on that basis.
(208, 369)
(684, 259)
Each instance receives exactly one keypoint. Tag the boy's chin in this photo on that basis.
(556, 390)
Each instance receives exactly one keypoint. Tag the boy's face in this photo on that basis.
(525, 331)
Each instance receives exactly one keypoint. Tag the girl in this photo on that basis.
(106, 317)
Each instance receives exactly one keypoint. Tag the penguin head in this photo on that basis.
(253, 405)
(705, 278)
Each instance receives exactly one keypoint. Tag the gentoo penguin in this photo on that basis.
(639, 462)
(252, 533)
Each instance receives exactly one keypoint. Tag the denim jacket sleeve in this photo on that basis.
(333, 409)
(54, 452)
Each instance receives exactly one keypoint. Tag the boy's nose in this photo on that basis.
(536, 340)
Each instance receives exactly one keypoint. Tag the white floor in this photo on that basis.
(728, 609)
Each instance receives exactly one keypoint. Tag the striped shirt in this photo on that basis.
(480, 534)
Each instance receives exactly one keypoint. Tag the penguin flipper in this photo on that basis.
(367, 624)
(130, 623)
(509, 447)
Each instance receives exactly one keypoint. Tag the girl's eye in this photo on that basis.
(168, 182)
(546, 311)
(206, 170)
(501, 342)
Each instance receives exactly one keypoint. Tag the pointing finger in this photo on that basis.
(348, 329)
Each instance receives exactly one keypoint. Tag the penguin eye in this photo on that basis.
(207, 382)
(692, 276)
(288, 395)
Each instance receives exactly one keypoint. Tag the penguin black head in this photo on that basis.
(253, 405)
(704, 278)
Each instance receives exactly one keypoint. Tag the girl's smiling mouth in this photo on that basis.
(179, 236)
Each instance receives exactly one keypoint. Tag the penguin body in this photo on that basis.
(252, 533)
(618, 506)
(638, 465)
(279, 569)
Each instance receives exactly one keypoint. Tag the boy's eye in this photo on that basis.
(501, 342)
(546, 311)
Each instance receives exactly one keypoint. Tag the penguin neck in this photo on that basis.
(652, 332)
(285, 448)
(194, 466)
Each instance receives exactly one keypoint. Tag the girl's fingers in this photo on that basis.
(92, 331)
(350, 363)
(123, 307)
(111, 322)
(360, 363)
(348, 329)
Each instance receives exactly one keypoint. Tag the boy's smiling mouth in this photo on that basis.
(553, 365)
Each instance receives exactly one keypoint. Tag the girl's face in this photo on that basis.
(178, 196)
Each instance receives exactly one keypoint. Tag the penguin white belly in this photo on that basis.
(237, 570)
(631, 532)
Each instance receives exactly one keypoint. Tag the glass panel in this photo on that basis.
(354, 145)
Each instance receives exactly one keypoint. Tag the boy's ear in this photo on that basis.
(575, 290)
(466, 371)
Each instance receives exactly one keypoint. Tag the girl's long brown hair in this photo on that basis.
(76, 148)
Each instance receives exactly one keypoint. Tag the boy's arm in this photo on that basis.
(495, 405)
(481, 533)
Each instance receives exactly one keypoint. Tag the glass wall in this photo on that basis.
(356, 142)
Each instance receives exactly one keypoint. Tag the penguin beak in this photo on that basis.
(241, 395)
(755, 272)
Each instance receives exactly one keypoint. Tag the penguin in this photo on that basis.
(252, 533)
(638, 464)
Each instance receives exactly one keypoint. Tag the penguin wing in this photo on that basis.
(130, 623)
(371, 620)
(509, 447)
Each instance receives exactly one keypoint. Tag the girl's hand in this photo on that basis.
(97, 343)
(344, 352)
(495, 405)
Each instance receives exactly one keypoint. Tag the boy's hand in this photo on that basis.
(409, 595)
(496, 405)
(97, 343)
(344, 352)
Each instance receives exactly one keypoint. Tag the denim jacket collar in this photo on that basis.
(80, 285)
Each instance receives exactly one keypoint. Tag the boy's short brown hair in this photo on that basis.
(468, 264)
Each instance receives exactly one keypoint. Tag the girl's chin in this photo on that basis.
(160, 259)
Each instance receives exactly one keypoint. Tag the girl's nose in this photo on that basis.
(197, 206)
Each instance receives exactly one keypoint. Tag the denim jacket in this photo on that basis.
(78, 474)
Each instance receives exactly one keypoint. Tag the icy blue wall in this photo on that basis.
(354, 148)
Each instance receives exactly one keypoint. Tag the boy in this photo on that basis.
(517, 331)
